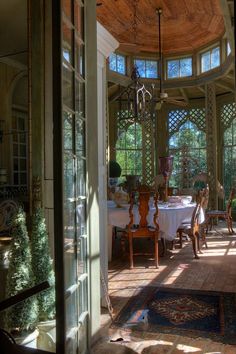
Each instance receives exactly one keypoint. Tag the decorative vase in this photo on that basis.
(165, 166)
(120, 197)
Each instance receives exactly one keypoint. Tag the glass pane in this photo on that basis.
(67, 87)
(81, 217)
(22, 165)
(151, 69)
(120, 64)
(228, 48)
(68, 124)
(81, 165)
(15, 137)
(15, 164)
(16, 178)
(215, 57)
(66, 7)
(83, 338)
(79, 58)
(79, 98)
(112, 62)
(82, 254)
(15, 150)
(22, 137)
(22, 150)
(72, 311)
(80, 134)
(186, 67)
(141, 67)
(78, 20)
(21, 124)
(172, 68)
(23, 178)
(14, 125)
(67, 43)
(72, 343)
(206, 62)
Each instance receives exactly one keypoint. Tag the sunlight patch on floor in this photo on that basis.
(214, 252)
(187, 348)
(171, 278)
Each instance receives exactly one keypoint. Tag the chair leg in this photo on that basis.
(230, 224)
(131, 256)
(194, 243)
(203, 236)
(180, 239)
(156, 250)
(123, 238)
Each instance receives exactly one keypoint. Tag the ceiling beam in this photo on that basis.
(225, 86)
(201, 89)
(184, 94)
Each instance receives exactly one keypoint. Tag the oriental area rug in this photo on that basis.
(192, 313)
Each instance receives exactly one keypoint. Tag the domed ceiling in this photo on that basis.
(186, 25)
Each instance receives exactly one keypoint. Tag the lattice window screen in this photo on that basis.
(124, 120)
(179, 116)
(227, 114)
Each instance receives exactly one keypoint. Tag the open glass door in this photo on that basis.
(70, 169)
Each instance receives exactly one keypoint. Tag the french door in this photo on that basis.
(70, 175)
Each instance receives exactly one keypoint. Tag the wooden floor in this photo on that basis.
(215, 270)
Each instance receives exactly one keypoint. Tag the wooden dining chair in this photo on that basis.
(193, 229)
(142, 229)
(211, 215)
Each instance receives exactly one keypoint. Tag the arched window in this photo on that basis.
(229, 157)
(129, 149)
(188, 146)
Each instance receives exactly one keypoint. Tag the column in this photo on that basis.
(211, 142)
(106, 45)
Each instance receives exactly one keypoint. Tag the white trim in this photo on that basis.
(106, 43)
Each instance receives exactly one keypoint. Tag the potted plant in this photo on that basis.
(20, 319)
(43, 270)
(114, 172)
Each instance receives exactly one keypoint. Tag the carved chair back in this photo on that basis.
(143, 195)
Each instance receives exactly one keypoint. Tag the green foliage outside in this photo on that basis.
(42, 266)
(188, 146)
(129, 150)
(22, 316)
(229, 160)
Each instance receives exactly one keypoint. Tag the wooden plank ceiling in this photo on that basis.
(187, 25)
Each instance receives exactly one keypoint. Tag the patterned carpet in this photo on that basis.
(186, 312)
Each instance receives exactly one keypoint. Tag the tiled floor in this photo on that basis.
(215, 270)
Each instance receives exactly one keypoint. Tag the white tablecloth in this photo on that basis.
(169, 219)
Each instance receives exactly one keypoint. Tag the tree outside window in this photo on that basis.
(210, 59)
(179, 68)
(129, 150)
(188, 146)
(146, 68)
(117, 63)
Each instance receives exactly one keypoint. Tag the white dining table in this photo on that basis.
(170, 217)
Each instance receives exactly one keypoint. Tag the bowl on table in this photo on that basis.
(186, 199)
(175, 199)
